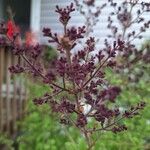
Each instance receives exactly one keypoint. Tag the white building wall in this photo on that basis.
(49, 18)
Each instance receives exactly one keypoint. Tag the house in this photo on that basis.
(36, 14)
(49, 18)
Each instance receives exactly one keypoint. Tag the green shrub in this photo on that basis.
(41, 131)
(5, 142)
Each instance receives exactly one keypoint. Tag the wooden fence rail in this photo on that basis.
(12, 93)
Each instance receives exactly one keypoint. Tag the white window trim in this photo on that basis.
(35, 15)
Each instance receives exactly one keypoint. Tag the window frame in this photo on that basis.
(35, 15)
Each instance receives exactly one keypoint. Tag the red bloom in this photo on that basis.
(12, 29)
(30, 39)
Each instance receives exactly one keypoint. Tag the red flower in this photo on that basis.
(30, 39)
(12, 29)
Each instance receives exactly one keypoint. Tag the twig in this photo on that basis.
(64, 89)
(95, 73)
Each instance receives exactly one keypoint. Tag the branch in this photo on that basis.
(95, 73)
(112, 124)
(64, 89)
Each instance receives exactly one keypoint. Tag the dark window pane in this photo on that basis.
(21, 9)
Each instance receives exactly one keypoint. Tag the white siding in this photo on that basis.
(49, 18)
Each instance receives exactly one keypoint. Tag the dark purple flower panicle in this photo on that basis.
(89, 2)
(35, 51)
(47, 32)
(134, 110)
(103, 113)
(119, 128)
(81, 121)
(76, 33)
(110, 93)
(66, 107)
(49, 77)
(65, 13)
(54, 105)
(42, 100)
(16, 69)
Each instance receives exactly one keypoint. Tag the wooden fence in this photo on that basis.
(12, 93)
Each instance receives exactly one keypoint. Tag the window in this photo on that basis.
(21, 10)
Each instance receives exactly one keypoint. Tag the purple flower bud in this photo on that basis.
(119, 128)
(47, 32)
(66, 107)
(110, 93)
(81, 120)
(65, 13)
(16, 69)
(49, 77)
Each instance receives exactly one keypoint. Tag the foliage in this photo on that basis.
(41, 130)
(6, 142)
(50, 54)
(138, 136)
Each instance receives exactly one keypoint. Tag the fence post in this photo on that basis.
(8, 96)
(12, 93)
(14, 98)
(1, 84)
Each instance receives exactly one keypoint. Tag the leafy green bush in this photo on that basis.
(137, 137)
(41, 131)
(5, 142)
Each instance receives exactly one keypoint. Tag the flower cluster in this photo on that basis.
(90, 12)
(79, 76)
(16, 69)
(126, 17)
(64, 13)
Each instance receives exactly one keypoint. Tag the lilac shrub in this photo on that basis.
(80, 93)
(90, 12)
(124, 17)
(130, 15)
